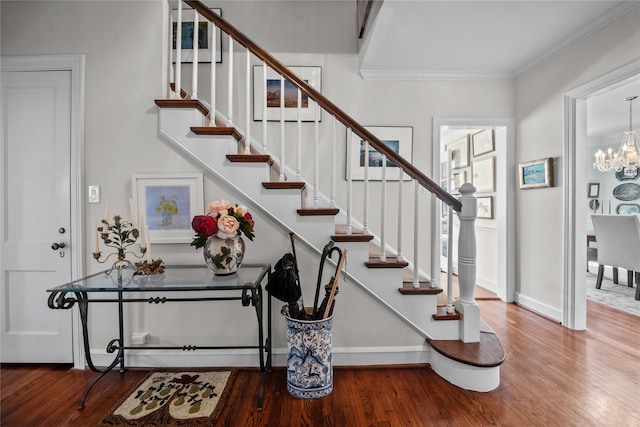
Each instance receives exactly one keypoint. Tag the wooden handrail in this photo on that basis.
(326, 104)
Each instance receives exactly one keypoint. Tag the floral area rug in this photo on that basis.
(617, 296)
(190, 398)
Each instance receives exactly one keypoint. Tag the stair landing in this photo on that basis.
(485, 354)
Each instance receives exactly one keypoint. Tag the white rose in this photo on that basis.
(227, 226)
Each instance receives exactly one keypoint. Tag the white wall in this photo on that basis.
(123, 77)
(539, 116)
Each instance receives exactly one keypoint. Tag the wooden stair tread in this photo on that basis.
(424, 289)
(486, 354)
(391, 262)
(217, 131)
(318, 211)
(441, 314)
(284, 185)
(250, 158)
(356, 235)
(182, 103)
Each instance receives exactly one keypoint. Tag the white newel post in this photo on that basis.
(466, 304)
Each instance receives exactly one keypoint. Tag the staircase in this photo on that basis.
(291, 197)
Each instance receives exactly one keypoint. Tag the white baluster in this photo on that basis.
(299, 142)
(400, 176)
(194, 42)
(171, 94)
(383, 212)
(214, 55)
(282, 176)
(349, 180)
(332, 195)
(264, 107)
(247, 128)
(416, 223)
(316, 158)
(450, 308)
(230, 81)
(365, 217)
(177, 86)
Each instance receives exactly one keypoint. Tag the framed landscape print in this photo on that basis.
(485, 207)
(167, 203)
(311, 75)
(399, 139)
(536, 174)
(205, 27)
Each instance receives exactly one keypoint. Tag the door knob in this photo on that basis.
(57, 246)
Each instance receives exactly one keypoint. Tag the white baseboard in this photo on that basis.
(342, 356)
(539, 307)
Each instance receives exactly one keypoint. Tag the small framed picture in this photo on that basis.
(483, 142)
(485, 207)
(459, 153)
(166, 204)
(536, 174)
(205, 27)
(594, 190)
(274, 85)
(399, 139)
(483, 175)
(458, 178)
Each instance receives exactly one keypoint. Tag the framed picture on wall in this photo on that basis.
(459, 153)
(483, 175)
(458, 177)
(205, 27)
(399, 139)
(536, 174)
(167, 203)
(274, 85)
(593, 190)
(482, 142)
(485, 207)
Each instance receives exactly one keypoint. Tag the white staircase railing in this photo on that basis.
(307, 154)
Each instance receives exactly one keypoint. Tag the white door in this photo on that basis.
(36, 208)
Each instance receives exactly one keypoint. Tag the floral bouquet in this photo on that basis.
(222, 220)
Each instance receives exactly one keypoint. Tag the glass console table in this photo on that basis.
(121, 286)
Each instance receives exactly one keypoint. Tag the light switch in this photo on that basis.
(94, 194)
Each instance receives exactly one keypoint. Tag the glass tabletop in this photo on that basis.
(174, 278)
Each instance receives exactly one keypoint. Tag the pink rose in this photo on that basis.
(219, 207)
(204, 225)
(227, 226)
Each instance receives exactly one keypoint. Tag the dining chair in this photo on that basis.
(618, 238)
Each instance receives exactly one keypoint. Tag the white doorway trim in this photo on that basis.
(574, 310)
(505, 206)
(76, 65)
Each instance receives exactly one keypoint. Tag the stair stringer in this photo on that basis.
(209, 154)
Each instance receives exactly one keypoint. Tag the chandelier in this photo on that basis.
(627, 158)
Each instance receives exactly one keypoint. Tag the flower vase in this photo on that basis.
(223, 255)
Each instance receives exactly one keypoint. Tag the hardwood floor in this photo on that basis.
(552, 376)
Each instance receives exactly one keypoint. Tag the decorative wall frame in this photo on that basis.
(458, 177)
(627, 208)
(459, 153)
(483, 175)
(627, 192)
(536, 174)
(312, 75)
(400, 139)
(593, 190)
(167, 203)
(485, 207)
(204, 37)
(483, 142)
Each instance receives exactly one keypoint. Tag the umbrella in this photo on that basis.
(326, 308)
(284, 284)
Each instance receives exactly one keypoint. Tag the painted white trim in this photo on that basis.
(368, 74)
(539, 307)
(342, 356)
(74, 63)
(575, 118)
(505, 206)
